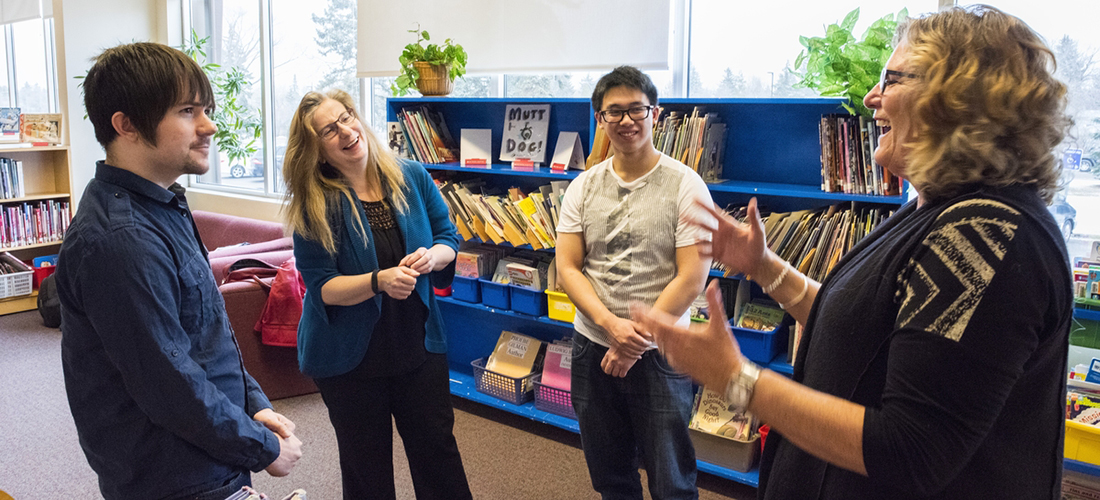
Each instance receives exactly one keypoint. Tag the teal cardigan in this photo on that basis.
(332, 340)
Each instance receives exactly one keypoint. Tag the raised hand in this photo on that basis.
(740, 246)
(708, 352)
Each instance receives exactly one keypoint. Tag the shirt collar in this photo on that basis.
(138, 184)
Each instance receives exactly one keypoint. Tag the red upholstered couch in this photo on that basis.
(274, 368)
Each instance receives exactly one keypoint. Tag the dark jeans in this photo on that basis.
(644, 413)
(219, 490)
(360, 409)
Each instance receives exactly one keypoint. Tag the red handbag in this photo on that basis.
(278, 323)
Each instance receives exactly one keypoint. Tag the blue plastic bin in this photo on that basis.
(466, 289)
(528, 301)
(495, 294)
(761, 347)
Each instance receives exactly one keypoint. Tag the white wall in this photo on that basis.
(85, 28)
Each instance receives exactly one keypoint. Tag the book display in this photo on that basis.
(764, 148)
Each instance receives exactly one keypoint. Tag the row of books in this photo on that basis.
(427, 134)
(514, 217)
(522, 268)
(32, 223)
(11, 179)
(814, 240)
(847, 157)
(697, 140)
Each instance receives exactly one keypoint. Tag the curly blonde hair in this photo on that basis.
(988, 108)
(311, 183)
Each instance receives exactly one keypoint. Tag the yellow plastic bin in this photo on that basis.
(1082, 442)
(561, 308)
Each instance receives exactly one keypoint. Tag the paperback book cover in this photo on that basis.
(515, 355)
(557, 368)
(9, 124)
(44, 128)
(713, 416)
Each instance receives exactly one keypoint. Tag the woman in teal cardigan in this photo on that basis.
(371, 234)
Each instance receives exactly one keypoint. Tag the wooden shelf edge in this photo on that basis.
(19, 304)
(28, 247)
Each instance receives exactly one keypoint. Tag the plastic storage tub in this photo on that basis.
(495, 294)
(554, 400)
(528, 301)
(466, 289)
(17, 283)
(513, 390)
(560, 307)
(725, 452)
(761, 347)
(1082, 442)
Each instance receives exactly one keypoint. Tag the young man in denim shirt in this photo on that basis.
(162, 403)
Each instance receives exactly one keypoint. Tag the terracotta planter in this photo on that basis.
(434, 79)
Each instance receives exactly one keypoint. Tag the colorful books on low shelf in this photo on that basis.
(515, 355)
(40, 128)
(557, 367)
(712, 415)
(514, 217)
(28, 223)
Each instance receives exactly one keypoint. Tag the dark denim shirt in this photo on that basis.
(156, 384)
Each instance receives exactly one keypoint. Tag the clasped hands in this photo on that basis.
(290, 447)
(629, 340)
(400, 281)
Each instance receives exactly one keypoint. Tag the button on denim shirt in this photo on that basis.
(155, 381)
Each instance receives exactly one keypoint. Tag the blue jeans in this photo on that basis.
(645, 413)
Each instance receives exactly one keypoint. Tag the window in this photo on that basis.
(1076, 45)
(28, 66)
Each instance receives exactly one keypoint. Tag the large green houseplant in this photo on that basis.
(239, 126)
(840, 65)
(431, 69)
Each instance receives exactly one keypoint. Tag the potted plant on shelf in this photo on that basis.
(432, 69)
(839, 65)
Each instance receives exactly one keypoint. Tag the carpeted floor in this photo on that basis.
(506, 456)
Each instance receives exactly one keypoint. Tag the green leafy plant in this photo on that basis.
(840, 65)
(450, 53)
(239, 126)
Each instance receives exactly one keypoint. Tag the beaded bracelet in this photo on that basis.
(778, 280)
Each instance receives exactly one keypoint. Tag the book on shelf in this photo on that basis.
(9, 124)
(558, 365)
(515, 355)
(40, 129)
(427, 130)
(475, 147)
(398, 141)
(12, 184)
(32, 223)
(601, 149)
(525, 132)
(760, 315)
(712, 415)
(848, 143)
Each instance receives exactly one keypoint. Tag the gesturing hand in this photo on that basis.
(421, 261)
(708, 353)
(397, 282)
(741, 246)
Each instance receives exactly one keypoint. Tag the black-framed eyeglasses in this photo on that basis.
(636, 113)
(886, 81)
(331, 131)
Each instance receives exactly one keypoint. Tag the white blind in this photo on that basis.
(510, 36)
(47, 8)
(13, 11)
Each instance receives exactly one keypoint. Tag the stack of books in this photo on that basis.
(697, 140)
(515, 355)
(427, 133)
(514, 217)
(478, 261)
(847, 157)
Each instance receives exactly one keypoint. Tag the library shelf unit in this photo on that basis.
(47, 176)
(772, 152)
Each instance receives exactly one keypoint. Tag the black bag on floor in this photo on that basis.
(49, 305)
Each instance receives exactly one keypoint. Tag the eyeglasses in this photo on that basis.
(636, 113)
(331, 131)
(886, 81)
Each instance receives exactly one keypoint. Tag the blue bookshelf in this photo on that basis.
(772, 152)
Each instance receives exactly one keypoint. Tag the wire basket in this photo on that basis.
(513, 390)
(17, 283)
(554, 400)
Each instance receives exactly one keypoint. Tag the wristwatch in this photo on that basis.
(739, 389)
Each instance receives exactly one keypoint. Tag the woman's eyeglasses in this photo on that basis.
(331, 131)
(886, 81)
